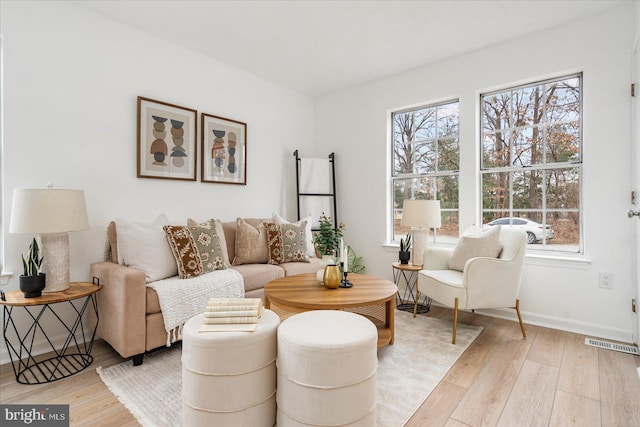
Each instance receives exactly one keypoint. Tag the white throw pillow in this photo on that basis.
(476, 243)
(145, 248)
(311, 250)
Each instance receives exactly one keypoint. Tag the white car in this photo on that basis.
(535, 231)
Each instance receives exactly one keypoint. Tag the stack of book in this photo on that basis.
(232, 314)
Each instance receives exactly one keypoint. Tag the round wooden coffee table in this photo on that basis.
(370, 296)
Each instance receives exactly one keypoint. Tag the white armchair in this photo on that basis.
(484, 282)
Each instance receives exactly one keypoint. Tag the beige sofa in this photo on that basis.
(130, 317)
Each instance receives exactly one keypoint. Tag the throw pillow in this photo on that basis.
(287, 242)
(197, 250)
(219, 231)
(251, 242)
(311, 250)
(475, 243)
(145, 247)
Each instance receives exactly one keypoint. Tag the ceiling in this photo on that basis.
(318, 47)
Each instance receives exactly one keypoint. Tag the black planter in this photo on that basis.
(32, 286)
(404, 256)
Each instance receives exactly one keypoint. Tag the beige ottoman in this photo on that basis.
(229, 378)
(327, 363)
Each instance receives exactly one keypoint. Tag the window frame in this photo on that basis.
(512, 168)
(394, 177)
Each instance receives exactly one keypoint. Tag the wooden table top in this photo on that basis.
(407, 267)
(304, 290)
(75, 290)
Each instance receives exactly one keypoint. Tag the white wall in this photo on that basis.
(71, 78)
(565, 294)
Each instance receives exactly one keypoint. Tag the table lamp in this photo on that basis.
(52, 213)
(420, 215)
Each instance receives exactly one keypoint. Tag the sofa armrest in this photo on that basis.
(121, 307)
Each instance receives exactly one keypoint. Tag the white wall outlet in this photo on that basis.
(606, 280)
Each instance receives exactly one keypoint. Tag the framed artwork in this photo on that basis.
(224, 150)
(166, 140)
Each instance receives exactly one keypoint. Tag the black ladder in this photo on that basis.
(332, 194)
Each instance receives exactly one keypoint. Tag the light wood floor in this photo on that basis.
(549, 379)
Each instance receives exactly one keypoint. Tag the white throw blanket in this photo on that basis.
(181, 299)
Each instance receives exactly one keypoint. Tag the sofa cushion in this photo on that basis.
(145, 248)
(311, 250)
(112, 239)
(287, 242)
(257, 275)
(219, 231)
(152, 302)
(293, 268)
(197, 250)
(251, 242)
(475, 243)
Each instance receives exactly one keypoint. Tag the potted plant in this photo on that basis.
(327, 239)
(32, 282)
(327, 243)
(405, 249)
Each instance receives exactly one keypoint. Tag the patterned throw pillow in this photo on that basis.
(287, 242)
(197, 249)
(219, 231)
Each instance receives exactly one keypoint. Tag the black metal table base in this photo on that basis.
(73, 357)
(408, 306)
(406, 301)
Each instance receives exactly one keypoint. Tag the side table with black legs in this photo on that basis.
(406, 275)
(75, 354)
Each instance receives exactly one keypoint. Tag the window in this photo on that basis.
(425, 151)
(531, 144)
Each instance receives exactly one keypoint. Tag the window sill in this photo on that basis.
(578, 262)
(4, 278)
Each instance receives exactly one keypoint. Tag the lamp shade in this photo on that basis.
(48, 211)
(421, 213)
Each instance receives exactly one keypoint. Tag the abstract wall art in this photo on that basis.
(224, 150)
(166, 140)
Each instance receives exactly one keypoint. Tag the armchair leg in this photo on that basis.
(455, 321)
(524, 334)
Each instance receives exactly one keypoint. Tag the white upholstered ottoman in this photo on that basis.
(327, 364)
(229, 378)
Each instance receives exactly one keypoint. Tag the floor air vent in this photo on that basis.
(625, 348)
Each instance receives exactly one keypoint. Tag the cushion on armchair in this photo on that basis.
(476, 243)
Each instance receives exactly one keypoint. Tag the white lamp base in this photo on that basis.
(55, 264)
(419, 237)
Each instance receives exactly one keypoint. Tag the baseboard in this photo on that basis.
(575, 326)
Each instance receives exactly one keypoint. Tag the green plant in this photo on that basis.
(31, 261)
(327, 239)
(405, 243)
(355, 262)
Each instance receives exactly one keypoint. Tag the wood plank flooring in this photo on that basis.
(548, 379)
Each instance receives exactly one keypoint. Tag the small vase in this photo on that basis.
(331, 276)
(32, 286)
(326, 260)
(404, 256)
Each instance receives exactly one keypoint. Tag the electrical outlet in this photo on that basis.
(606, 280)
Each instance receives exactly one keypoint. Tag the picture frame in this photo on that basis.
(224, 150)
(166, 143)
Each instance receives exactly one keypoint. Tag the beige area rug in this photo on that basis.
(407, 372)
